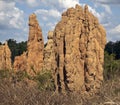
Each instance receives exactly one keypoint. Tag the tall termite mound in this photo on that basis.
(79, 42)
(32, 59)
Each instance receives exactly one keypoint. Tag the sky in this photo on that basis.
(14, 16)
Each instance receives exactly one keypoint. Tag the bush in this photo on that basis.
(45, 80)
(5, 74)
(20, 75)
(111, 66)
(14, 76)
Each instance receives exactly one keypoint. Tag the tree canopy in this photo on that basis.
(113, 48)
(16, 48)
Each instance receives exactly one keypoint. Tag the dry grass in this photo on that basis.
(21, 93)
(109, 94)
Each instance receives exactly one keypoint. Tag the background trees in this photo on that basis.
(112, 60)
(16, 48)
(113, 48)
(111, 66)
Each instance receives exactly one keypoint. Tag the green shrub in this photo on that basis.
(5, 74)
(111, 66)
(20, 75)
(45, 80)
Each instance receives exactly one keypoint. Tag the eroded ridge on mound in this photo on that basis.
(79, 42)
(32, 60)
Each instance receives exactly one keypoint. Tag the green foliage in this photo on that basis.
(16, 48)
(45, 80)
(112, 60)
(111, 66)
(113, 48)
(15, 76)
(5, 74)
(20, 75)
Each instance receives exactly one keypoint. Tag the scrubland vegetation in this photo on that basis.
(21, 89)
